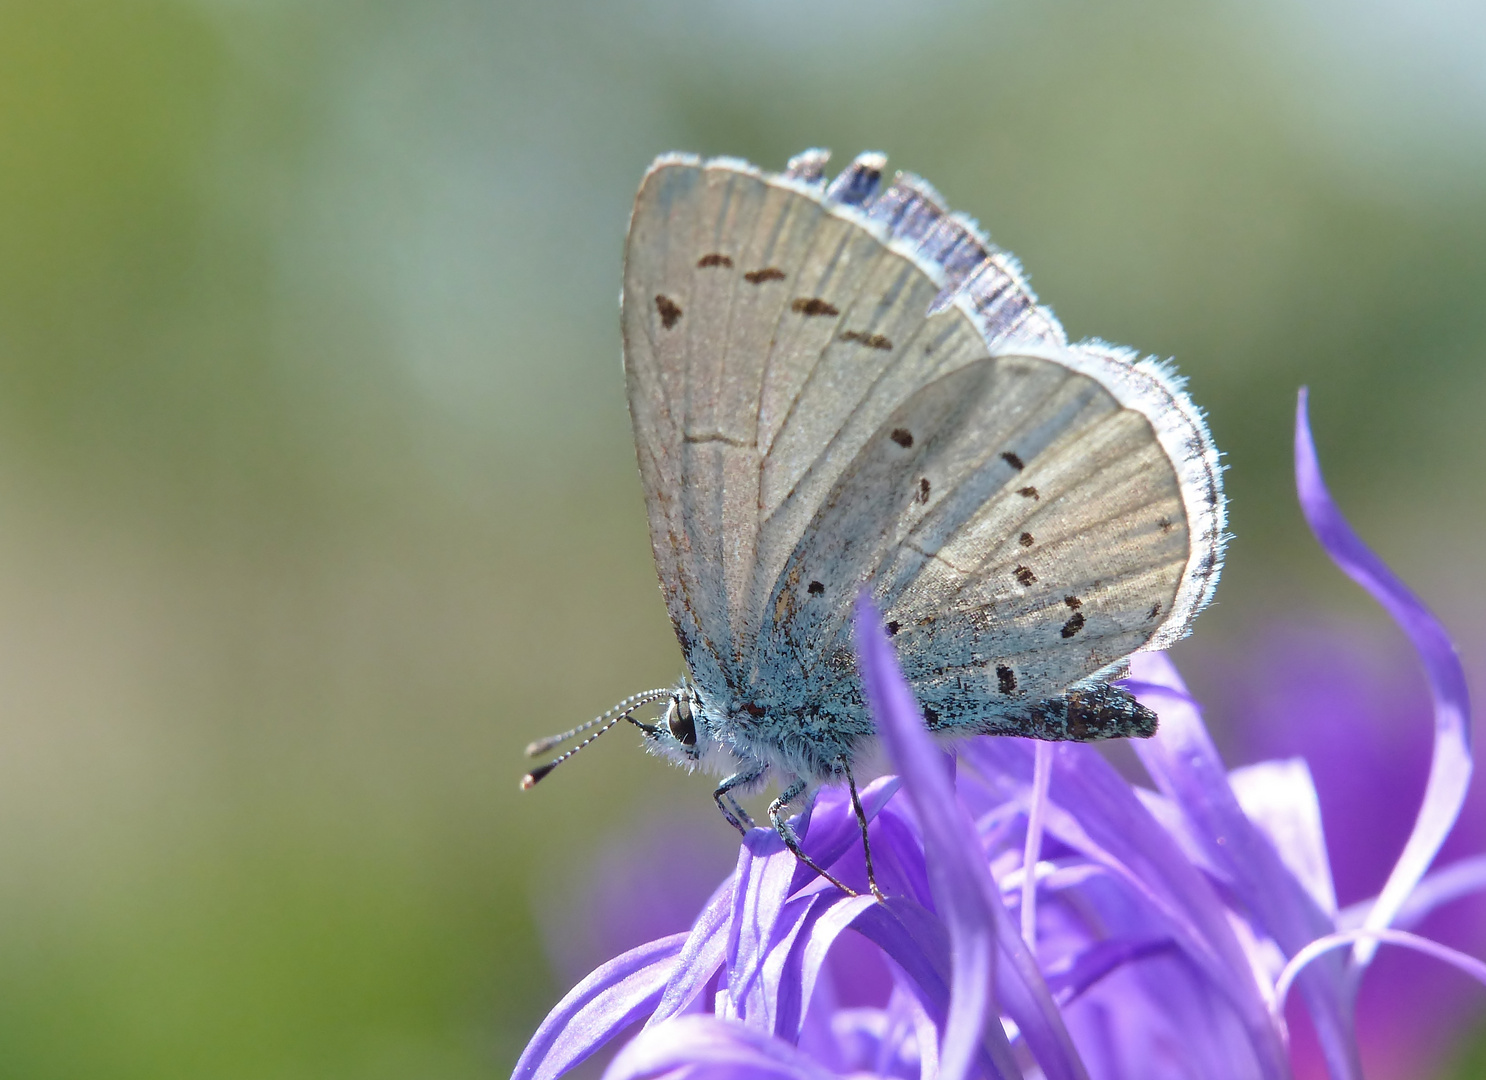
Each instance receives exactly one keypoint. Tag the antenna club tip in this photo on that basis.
(529, 781)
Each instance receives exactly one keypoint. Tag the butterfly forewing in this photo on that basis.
(756, 323)
(710, 256)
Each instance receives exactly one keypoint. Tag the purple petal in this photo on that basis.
(897, 855)
(1026, 998)
(1476, 969)
(706, 1047)
(1096, 812)
(763, 884)
(1450, 768)
(917, 942)
(1280, 798)
(965, 894)
(834, 832)
(777, 987)
(953, 855)
(598, 1008)
(1185, 765)
(914, 939)
(771, 925)
(1079, 972)
(828, 920)
(1042, 774)
(1461, 878)
(701, 957)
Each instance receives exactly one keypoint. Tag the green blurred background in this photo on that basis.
(317, 499)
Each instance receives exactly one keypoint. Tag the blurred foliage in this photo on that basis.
(319, 501)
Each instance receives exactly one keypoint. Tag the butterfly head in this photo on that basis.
(682, 734)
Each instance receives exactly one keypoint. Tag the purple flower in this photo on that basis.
(1350, 704)
(1044, 915)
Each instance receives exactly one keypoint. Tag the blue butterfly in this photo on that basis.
(837, 387)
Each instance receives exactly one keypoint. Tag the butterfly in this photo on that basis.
(840, 386)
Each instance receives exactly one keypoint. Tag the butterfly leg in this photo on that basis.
(737, 817)
(856, 805)
(786, 833)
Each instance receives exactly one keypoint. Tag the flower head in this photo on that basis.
(1043, 913)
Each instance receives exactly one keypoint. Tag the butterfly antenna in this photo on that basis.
(607, 718)
(628, 705)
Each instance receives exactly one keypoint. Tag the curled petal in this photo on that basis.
(827, 922)
(598, 1008)
(767, 915)
(773, 1000)
(1079, 972)
(1450, 767)
(706, 1047)
(1464, 961)
(1461, 878)
(833, 829)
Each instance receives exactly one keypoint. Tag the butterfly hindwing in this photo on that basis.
(1019, 529)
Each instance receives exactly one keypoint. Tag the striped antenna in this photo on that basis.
(609, 718)
(628, 705)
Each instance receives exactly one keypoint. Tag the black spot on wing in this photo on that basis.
(931, 716)
(892, 628)
(768, 273)
(812, 305)
(1028, 493)
(715, 259)
(670, 311)
(1155, 610)
(1005, 679)
(923, 489)
(815, 588)
(1012, 460)
(1025, 576)
(872, 341)
(1025, 539)
(1165, 524)
(1074, 602)
(903, 437)
(1073, 625)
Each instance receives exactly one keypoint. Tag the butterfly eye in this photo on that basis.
(679, 720)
